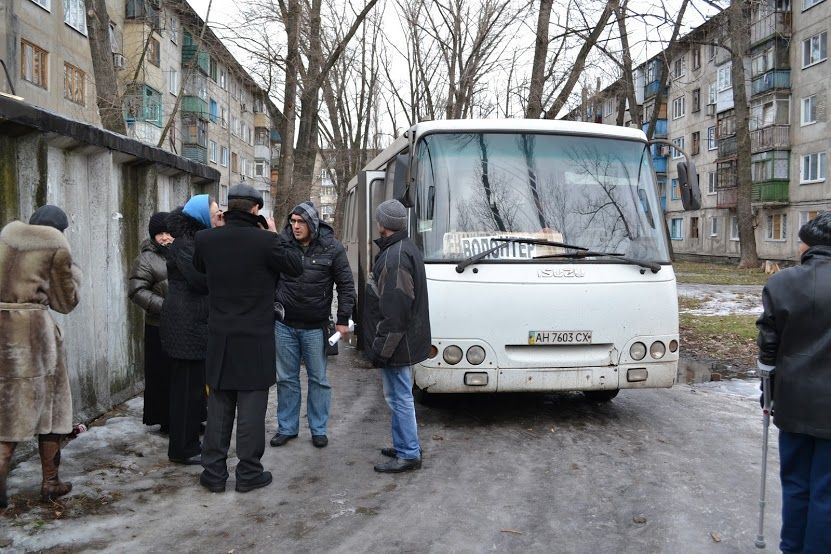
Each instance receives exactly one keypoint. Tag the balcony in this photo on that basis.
(195, 152)
(767, 26)
(652, 89)
(660, 128)
(774, 79)
(774, 190)
(196, 106)
(727, 197)
(727, 147)
(262, 152)
(261, 120)
(768, 138)
(659, 163)
(203, 59)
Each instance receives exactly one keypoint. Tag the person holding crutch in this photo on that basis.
(795, 338)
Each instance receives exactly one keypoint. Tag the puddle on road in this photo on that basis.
(703, 371)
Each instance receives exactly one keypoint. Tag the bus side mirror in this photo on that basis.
(688, 183)
(400, 187)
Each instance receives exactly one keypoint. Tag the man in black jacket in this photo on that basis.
(307, 301)
(243, 263)
(396, 323)
(795, 337)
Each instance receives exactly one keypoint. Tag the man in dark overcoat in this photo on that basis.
(243, 263)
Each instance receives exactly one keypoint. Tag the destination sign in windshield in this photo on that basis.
(469, 244)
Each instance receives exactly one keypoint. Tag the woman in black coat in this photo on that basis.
(184, 329)
(147, 288)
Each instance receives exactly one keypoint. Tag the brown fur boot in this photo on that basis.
(52, 487)
(6, 451)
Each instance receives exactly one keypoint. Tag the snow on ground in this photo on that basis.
(744, 388)
(723, 299)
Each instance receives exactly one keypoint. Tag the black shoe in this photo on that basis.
(390, 452)
(195, 460)
(397, 465)
(213, 487)
(280, 440)
(263, 480)
(320, 441)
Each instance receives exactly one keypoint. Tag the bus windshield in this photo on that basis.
(593, 192)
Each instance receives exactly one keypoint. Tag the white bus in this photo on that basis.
(546, 254)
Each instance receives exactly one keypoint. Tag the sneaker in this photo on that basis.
(212, 487)
(263, 480)
(280, 440)
(320, 441)
(398, 465)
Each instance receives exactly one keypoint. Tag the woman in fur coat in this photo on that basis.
(147, 288)
(36, 274)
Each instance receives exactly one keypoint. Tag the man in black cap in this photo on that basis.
(243, 264)
(795, 342)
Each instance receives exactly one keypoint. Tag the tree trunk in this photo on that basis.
(656, 108)
(628, 77)
(106, 81)
(282, 201)
(534, 109)
(739, 23)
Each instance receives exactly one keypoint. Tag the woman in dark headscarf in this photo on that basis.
(147, 288)
(36, 274)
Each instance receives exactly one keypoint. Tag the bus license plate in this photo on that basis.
(559, 337)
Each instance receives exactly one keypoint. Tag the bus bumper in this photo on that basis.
(445, 380)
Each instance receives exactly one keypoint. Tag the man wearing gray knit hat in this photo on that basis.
(396, 324)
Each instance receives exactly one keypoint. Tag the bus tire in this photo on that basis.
(423, 397)
(601, 395)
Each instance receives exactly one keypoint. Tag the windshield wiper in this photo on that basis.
(652, 266)
(484, 254)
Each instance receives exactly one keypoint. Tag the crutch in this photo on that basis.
(766, 373)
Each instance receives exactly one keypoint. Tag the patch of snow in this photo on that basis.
(723, 299)
(745, 388)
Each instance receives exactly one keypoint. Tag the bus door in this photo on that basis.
(371, 192)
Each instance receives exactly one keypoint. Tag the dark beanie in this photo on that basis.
(158, 224)
(50, 216)
(817, 232)
(392, 215)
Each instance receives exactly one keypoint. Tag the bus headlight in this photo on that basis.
(637, 351)
(475, 355)
(673, 345)
(452, 355)
(657, 350)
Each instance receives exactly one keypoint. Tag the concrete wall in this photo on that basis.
(109, 193)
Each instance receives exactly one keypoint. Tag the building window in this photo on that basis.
(679, 107)
(814, 49)
(45, 4)
(223, 117)
(777, 227)
(770, 165)
(711, 51)
(805, 217)
(223, 160)
(244, 166)
(809, 4)
(214, 70)
(214, 110)
(74, 84)
(679, 67)
(714, 226)
(696, 56)
(734, 227)
(610, 107)
(266, 198)
(711, 182)
(234, 162)
(34, 66)
(223, 79)
(675, 191)
(679, 142)
(676, 228)
(174, 30)
(696, 143)
(144, 104)
(725, 79)
(173, 81)
(223, 195)
(694, 228)
(195, 131)
(261, 137)
(696, 100)
(711, 93)
(212, 151)
(813, 167)
(260, 168)
(75, 15)
(154, 52)
(809, 110)
(712, 143)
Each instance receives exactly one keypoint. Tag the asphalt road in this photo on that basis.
(672, 470)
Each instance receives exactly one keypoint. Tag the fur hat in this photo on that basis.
(158, 224)
(392, 215)
(51, 216)
(817, 232)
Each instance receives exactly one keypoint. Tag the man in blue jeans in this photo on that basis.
(396, 324)
(301, 335)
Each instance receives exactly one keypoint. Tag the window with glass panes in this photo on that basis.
(815, 49)
(679, 142)
(714, 226)
(695, 147)
(75, 15)
(711, 182)
(777, 227)
(770, 165)
(808, 112)
(712, 143)
(813, 167)
(676, 228)
(734, 227)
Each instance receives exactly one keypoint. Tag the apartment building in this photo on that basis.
(787, 85)
(214, 111)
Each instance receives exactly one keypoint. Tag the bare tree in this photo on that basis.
(108, 97)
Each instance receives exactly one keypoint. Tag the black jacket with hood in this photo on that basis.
(307, 299)
(184, 320)
(795, 336)
(396, 318)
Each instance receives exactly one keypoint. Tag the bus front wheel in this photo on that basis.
(601, 395)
